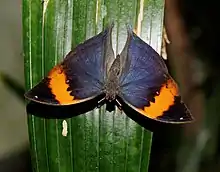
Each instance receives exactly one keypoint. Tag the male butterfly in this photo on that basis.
(137, 77)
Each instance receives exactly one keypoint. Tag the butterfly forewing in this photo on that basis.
(80, 76)
(146, 85)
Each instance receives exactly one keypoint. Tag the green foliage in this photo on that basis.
(97, 140)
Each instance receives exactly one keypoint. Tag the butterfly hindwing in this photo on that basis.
(146, 85)
(79, 77)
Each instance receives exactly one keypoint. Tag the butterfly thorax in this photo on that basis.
(111, 87)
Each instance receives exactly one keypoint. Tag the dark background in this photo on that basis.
(193, 56)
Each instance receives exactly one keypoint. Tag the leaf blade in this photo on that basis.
(97, 140)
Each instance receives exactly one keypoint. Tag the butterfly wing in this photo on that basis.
(80, 76)
(146, 86)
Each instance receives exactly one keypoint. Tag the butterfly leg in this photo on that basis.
(101, 102)
(119, 105)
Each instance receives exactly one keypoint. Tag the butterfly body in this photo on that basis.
(138, 77)
(112, 88)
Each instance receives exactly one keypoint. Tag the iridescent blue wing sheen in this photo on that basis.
(146, 86)
(80, 76)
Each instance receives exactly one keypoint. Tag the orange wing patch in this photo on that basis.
(163, 100)
(58, 85)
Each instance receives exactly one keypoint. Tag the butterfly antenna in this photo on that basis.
(110, 25)
(119, 104)
(129, 29)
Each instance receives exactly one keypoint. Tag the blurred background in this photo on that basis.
(13, 127)
(192, 52)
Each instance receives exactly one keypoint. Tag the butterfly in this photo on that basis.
(137, 77)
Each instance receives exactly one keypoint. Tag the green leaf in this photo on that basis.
(97, 140)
